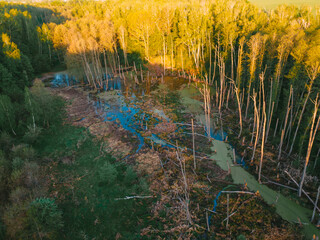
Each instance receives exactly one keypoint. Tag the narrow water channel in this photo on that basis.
(286, 208)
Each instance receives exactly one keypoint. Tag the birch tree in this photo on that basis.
(313, 131)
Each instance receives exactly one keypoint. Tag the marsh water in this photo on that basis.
(121, 102)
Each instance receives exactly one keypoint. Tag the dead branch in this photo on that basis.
(133, 197)
(304, 192)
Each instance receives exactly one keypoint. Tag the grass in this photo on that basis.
(271, 4)
(87, 186)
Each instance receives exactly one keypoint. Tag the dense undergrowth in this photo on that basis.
(87, 183)
(66, 168)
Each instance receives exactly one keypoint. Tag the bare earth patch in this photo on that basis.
(148, 162)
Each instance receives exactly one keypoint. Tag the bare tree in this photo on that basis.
(264, 120)
(186, 199)
(313, 132)
(193, 147)
(207, 105)
(285, 124)
(254, 46)
(239, 106)
(257, 120)
(239, 65)
(315, 204)
(270, 112)
(312, 73)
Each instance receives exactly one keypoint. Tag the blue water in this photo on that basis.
(129, 117)
(112, 84)
(219, 135)
(162, 142)
(124, 112)
(215, 202)
(222, 136)
(125, 115)
(63, 80)
(128, 114)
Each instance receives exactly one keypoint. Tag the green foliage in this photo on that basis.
(5, 141)
(44, 108)
(23, 151)
(135, 58)
(4, 166)
(91, 209)
(6, 79)
(7, 114)
(17, 164)
(108, 173)
(14, 220)
(44, 218)
(241, 237)
(130, 176)
(32, 134)
(23, 50)
(19, 195)
(2, 230)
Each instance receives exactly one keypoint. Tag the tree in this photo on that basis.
(141, 25)
(313, 131)
(7, 114)
(10, 49)
(44, 218)
(45, 36)
(255, 46)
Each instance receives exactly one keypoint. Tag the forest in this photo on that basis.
(156, 119)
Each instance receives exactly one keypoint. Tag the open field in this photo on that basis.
(269, 4)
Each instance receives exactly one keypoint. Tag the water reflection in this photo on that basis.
(63, 80)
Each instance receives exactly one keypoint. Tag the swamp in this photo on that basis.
(159, 120)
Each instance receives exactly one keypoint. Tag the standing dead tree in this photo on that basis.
(6, 107)
(257, 121)
(270, 112)
(254, 46)
(185, 200)
(285, 124)
(222, 67)
(317, 157)
(312, 73)
(207, 105)
(264, 120)
(236, 89)
(283, 50)
(313, 132)
(315, 205)
(193, 146)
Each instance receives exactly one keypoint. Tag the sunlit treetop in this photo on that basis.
(10, 49)
(15, 12)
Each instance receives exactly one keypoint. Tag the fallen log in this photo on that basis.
(133, 197)
(304, 192)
